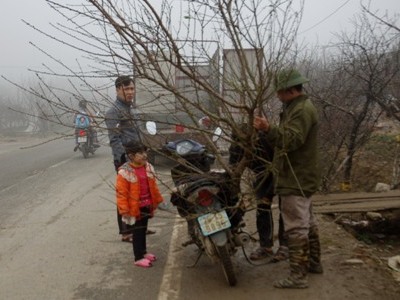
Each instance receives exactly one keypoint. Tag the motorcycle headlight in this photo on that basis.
(184, 147)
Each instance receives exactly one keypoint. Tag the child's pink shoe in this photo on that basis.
(144, 263)
(150, 257)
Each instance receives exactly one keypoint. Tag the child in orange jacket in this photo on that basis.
(137, 197)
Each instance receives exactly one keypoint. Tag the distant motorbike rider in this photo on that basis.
(83, 112)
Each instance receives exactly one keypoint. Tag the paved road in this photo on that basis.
(58, 240)
(58, 233)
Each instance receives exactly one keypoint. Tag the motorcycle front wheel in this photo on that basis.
(227, 265)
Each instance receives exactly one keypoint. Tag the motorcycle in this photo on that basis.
(85, 143)
(206, 199)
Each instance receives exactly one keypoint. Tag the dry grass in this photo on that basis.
(375, 163)
(372, 164)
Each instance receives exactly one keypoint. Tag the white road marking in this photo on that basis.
(171, 282)
(61, 163)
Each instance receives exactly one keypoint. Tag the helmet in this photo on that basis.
(205, 122)
(82, 103)
(289, 78)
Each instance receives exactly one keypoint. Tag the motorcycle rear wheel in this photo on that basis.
(227, 265)
(85, 151)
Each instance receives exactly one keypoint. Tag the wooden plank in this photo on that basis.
(359, 195)
(360, 206)
(356, 202)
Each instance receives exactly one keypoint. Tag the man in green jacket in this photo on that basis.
(298, 175)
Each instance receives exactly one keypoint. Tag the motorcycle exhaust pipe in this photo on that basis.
(241, 239)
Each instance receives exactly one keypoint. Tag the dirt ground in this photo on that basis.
(355, 259)
(360, 265)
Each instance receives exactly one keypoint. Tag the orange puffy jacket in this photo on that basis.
(128, 190)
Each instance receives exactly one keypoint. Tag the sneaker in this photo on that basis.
(76, 148)
(150, 257)
(261, 253)
(281, 255)
(144, 263)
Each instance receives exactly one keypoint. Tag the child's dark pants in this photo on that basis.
(139, 234)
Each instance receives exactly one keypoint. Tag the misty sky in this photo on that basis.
(321, 18)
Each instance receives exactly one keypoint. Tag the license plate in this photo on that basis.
(214, 222)
(82, 139)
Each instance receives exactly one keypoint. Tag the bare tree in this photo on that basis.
(219, 61)
(391, 100)
(384, 19)
(352, 86)
(253, 39)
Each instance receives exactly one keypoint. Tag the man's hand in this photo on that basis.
(261, 123)
(117, 164)
(127, 219)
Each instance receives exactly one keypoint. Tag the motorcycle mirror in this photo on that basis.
(217, 133)
(151, 127)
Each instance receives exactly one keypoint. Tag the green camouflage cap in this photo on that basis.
(289, 78)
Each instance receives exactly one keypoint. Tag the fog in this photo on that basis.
(20, 43)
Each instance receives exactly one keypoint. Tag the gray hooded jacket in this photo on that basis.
(123, 126)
